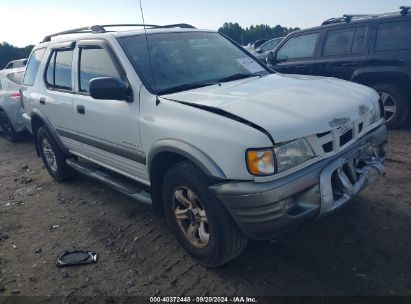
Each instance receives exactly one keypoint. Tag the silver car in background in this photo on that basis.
(11, 121)
(262, 52)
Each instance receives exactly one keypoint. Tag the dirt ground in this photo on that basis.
(363, 249)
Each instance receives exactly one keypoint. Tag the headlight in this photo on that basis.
(260, 162)
(293, 153)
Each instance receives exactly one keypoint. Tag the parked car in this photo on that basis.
(262, 51)
(200, 130)
(16, 64)
(374, 50)
(254, 45)
(11, 122)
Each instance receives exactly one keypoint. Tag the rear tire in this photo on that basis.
(206, 230)
(395, 102)
(53, 158)
(7, 127)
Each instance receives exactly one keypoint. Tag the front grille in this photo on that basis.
(336, 140)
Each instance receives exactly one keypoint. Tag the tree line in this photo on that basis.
(253, 33)
(9, 52)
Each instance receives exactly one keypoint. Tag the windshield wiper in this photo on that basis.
(185, 87)
(236, 77)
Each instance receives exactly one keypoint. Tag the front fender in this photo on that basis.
(198, 157)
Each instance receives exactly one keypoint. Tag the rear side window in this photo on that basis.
(33, 67)
(393, 36)
(345, 41)
(95, 62)
(298, 47)
(58, 73)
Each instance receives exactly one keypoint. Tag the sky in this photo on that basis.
(24, 22)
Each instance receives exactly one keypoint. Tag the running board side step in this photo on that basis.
(125, 187)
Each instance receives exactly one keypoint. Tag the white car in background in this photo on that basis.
(11, 122)
(262, 51)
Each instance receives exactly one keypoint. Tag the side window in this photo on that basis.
(345, 41)
(33, 67)
(298, 47)
(95, 62)
(58, 73)
(393, 36)
(360, 39)
(339, 42)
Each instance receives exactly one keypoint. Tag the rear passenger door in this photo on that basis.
(107, 129)
(57, 100)
(297, 54)
(344, 51)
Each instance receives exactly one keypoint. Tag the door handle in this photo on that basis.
(81, 110)
(301, 66)
(42, 100)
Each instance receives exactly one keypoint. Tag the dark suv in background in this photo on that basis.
(374, 50)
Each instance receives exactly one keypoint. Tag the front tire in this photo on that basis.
(53, 158)
(395, 102)
(198, 219)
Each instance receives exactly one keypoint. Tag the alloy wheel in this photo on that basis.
(390, 105)
(49, 154)
(191, 217)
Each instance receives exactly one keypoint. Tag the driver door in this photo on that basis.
(107, 129)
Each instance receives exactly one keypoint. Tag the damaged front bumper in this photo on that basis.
(262, 209)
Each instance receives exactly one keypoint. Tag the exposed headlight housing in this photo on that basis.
(260, 162)
(375, 114)
(293, 153)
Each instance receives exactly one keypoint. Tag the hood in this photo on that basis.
(287, 106)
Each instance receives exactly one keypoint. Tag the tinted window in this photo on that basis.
(339, 42)
(270, 45)
(360, 39)
(95, 63)
(58, 73)
(393, 36)
(33, 66)
(345, 41)
(62, 70)
(298, 47)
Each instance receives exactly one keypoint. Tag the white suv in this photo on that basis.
(189, 122)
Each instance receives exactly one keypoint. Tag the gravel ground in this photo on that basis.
(363, 249)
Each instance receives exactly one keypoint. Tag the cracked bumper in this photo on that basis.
(262, 209)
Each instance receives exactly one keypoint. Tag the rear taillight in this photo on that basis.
(15, 96)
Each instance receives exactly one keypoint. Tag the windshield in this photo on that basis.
(183, 61)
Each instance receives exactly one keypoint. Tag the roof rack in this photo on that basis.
(404, 10)
(102, 29)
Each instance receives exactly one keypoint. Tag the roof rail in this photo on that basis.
(102, 29)
(404, 10)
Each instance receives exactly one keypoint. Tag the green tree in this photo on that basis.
(9, 52)
(254, 32)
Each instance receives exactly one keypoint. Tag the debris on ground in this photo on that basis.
(72, 258)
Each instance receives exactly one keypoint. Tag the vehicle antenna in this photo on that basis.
(148, 50)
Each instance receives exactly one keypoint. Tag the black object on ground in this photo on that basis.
(73, 258)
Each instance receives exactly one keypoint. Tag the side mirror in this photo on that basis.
(271, 58)
(108, 88)
(258, 50)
